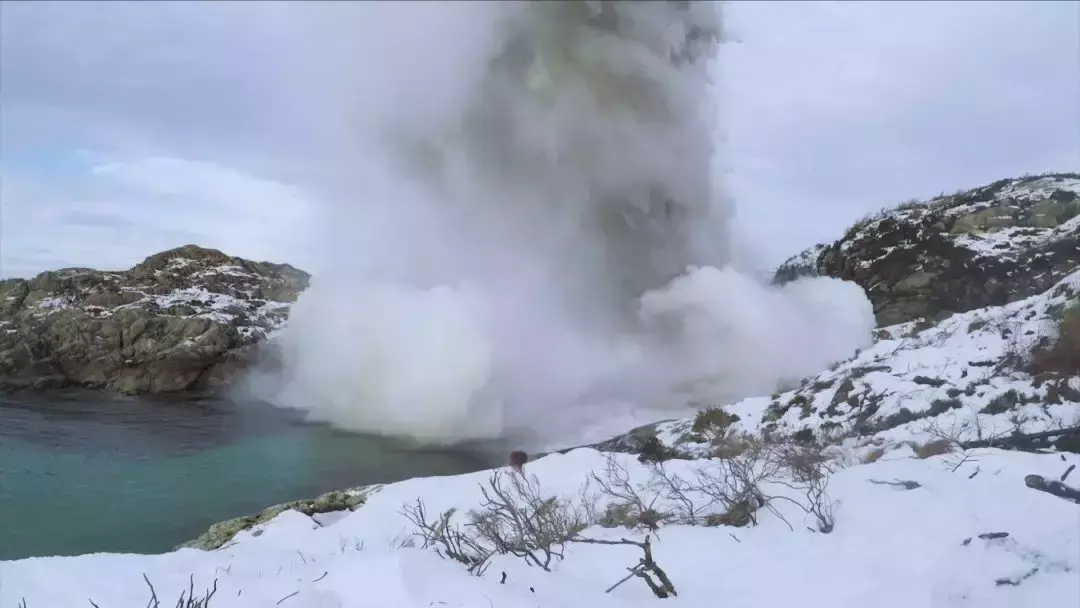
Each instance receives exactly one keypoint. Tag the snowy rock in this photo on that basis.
(338, 501)
(988, 246)
(182, 319)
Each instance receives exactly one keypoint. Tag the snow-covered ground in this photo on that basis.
(891, 547)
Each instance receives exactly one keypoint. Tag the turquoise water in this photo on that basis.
(79, 474)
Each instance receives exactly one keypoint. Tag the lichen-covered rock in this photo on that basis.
(339, 500)
(984, 247)
(182, 319)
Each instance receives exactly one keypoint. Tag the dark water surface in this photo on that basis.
(81, 473)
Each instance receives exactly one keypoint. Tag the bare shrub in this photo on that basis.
(713, 419)
(958, 441)
(187, 598)
(804, 462)
(729, 490)
(949, 441)
(633, 505)
(735, 484)
(731, 445)
(449, 541)
(646, 569)
(516, 518)
(817, 502)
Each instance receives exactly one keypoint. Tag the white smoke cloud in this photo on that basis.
(532, 230)
(734, 336)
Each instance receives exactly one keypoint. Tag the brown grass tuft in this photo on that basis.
(874, 455)
(936, 447)
(1063, 356)
(713, 419)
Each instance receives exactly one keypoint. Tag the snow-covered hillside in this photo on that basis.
(963, 379)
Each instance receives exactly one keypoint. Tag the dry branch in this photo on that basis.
(1055, 488)
(646, 568)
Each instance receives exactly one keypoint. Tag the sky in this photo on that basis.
(127, 128)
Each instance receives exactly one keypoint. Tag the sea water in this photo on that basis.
(80, 473)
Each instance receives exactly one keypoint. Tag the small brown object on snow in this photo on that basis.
(518, 460)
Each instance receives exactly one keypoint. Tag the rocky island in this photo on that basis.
(183, 319)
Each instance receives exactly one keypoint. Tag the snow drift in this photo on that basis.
(533, 234)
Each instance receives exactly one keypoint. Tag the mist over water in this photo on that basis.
(536, 240)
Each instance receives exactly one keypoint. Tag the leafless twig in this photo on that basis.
(646, 569)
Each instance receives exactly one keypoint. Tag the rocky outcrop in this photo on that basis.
(183, 319)
(984, 247)
(337, 501)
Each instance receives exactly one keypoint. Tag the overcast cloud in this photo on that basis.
(127, 128)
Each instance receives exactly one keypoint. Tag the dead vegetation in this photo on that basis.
(1056, 487)
(713, 419)
(937, 447)
(516, 518)
(1062, 356)
(874, 455)
(187, 598)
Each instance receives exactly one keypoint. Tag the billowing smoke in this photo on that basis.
(534, 238)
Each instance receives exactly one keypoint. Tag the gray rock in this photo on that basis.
(337, 501)
(983, 247)
(182, 319)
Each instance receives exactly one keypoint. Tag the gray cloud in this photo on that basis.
(833, 109)
(96, 219)
(836, 109)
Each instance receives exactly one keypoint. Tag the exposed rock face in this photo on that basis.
(984, 247)
(221, 533)
(182, 319)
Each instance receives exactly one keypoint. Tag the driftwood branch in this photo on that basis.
(899, 483)
(1018, 440)
(1067, 471)
(1055, 488)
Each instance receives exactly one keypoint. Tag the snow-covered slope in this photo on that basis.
(963, 379)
